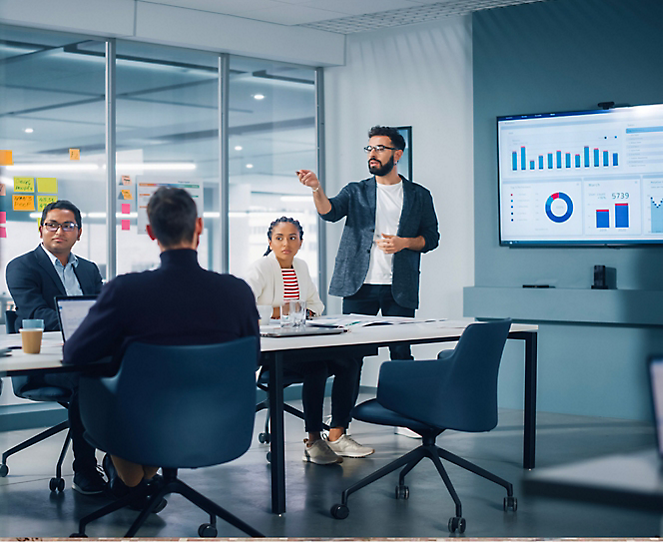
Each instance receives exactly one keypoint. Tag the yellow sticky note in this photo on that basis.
(126, 194)
(6, 158)
(74, 154)
(43, 201)
(23, 203)
(24, 184)
(47, 184)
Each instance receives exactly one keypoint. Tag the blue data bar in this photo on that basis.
(523, 158)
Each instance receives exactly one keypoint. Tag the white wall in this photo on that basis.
(419, 76)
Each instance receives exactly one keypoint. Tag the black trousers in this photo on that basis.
(84, 453)
(371, 299)
(314, 376)
(374, 298)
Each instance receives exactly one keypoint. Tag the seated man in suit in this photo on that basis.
(179, 303)
(34, 279)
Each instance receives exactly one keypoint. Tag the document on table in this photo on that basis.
(363, 320)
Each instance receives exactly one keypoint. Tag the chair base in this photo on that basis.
(408, 462)
(57, 482)
(156, 491)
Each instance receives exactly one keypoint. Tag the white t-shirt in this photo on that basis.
(388, 209)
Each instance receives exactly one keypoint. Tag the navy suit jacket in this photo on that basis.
(179, 303)
(357, 202)
(34, 283)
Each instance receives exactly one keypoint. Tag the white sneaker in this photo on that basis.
(320, 453)
(348, 447)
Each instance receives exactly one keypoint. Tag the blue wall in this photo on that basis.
(564, 55)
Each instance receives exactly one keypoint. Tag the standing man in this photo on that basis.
(180, 303)
(390, 222)
(34, 279)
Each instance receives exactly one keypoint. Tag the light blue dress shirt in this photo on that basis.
(66, 273)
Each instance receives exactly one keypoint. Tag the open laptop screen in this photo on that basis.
(656, 380)
(71, 312)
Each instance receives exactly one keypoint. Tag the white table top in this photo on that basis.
(51, 351)
(378, 335)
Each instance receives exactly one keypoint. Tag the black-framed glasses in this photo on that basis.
(378, 148)
(55, 226)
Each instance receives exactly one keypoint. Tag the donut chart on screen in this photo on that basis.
(569, 207)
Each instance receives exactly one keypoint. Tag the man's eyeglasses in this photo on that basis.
(55, 226)
(378, 148)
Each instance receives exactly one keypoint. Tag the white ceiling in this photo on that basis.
(341, 16)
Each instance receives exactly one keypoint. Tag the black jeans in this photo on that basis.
(372, 298)
(314, 378)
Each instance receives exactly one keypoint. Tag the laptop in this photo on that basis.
(300, 331)
(656, 385)
(72, 310)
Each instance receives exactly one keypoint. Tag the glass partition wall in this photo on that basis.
(167, 131)
(272, 134)
(165, 107)
(52, 132)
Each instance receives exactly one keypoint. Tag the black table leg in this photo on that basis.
(277, 441)
(529, 444)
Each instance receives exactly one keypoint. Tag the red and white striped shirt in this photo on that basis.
(290, 284)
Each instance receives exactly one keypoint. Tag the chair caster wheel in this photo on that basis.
(56, 484)
(264, 438)
(456, 523)
(207, 530)
(78, 535)
(4, 470)
(510, 503)
(340, 511)
(268, 456)
(402, 492)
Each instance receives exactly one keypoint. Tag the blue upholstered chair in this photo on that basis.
(35, 389)
(174, 407)
(456, 391)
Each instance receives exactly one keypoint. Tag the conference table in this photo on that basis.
(358, 341)
(364, 341)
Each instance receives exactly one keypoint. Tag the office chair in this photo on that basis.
(456, 391)
(174, 407)
(35, 389)
(289, 379)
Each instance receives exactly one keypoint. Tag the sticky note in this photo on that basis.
(24, 184)
(3, 217)
(125, 179)
(23, 203)
(126, 194)
(6, 158)
(43, 201)
(47, 184)
(126, 224)
(3, 233)
(126, 208)
(3, 190)
(74, 154)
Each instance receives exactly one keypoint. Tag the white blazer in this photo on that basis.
(266, 281)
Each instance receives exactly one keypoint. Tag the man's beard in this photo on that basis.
(382, 170)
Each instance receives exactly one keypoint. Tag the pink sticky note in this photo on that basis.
(126, 208)
(3, 233)
(3, 217)
(125, 224)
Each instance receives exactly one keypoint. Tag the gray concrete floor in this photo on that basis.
(28, 509)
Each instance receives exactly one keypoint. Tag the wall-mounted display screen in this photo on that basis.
(581, 178)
